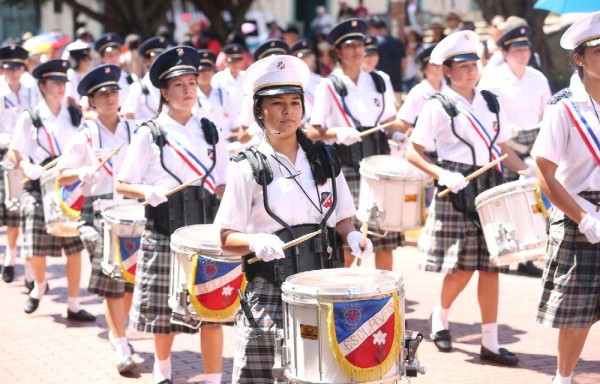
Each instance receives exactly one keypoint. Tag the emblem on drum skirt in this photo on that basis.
(70, 198)
(127, 253)
(365, 336)
(213, 287)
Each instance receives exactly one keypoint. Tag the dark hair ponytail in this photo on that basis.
(316, 161)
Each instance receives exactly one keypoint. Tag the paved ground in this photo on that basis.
(45, 348)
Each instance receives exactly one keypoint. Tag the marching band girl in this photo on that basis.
(171, 150)
(82, 156)
(289, 168)
(568, 159)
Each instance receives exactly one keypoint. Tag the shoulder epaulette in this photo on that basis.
(562, 94)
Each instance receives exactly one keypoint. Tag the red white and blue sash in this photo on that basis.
(127, 254)
(339, 105)
(192, 161)
(482, 133)
(214, 285)
(365, 336)
(583, 127)
(108, 166)
(52, 141)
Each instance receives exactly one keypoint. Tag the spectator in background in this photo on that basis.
(323, 22)
(275, 31)
(414, 45)
(325, 56)
(453, 22)
(291, 35)
(345, 12)
(131, 59)
(362, 11)
(392, 56)
(488, 47)
(437, 30)
(468, 26)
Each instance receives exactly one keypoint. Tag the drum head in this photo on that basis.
(348, 283)
(202, 238)
(513, 186)
(390, 167)
(129, 213)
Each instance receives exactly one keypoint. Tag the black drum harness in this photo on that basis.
(193, 204)
(322, 251)
(464, 200)
(374, 144)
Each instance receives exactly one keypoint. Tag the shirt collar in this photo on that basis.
(578, 94)
(268, 151)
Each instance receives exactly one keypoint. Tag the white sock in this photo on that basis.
(162, 369)
(73, 304)
(439, 320)
(212, 378)
(558, 379)
(122, 347)
(489, 337)
(38, 290)
(10, 257)
(111, 338)
(28, 271)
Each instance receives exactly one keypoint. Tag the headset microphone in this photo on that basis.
(274, 132)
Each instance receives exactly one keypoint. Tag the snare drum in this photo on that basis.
(392, 193)
(58, 223)
(204, 283)
(13, 185)
(343, 325)
(123, 225)
(513, 220)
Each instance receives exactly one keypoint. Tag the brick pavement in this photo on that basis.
(45, 348)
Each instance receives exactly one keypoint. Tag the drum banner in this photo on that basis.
(213, 287)
(365, 336)
(128, 250)
(70, 198)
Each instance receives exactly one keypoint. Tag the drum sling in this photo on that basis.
(373, 144)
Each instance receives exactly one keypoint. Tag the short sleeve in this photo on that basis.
(222, 162)
(345, 207)
(551, 142)
(321, 105)
(431, 120)
(137, 158)
(410, 107)
(76, 153)
(130, 104)
(236, 204)
(23, 141)
(390, 100)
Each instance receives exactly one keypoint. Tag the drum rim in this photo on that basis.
(194, 246)
(367, 170)
(288, 288)
(512, 187)
(111, 219)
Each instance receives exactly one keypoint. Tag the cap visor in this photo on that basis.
(230, 59)
(57, 78)
(369, 52)
(283, 90)
(180, 72)
(205, 66)
(521, 44)
(592, 43)
(465, 57)
(106, 88)
(12, 64)
(351, 39)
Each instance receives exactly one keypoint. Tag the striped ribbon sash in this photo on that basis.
(108, 166)
(192, 161)
(584, 128)
(482, 133)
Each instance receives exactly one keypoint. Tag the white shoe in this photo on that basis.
(125, 364)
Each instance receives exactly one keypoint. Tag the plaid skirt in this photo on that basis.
(450, 241)
(7, 217)
(150, 312)
(526, 138)
(388, 243)
(571, 282)
(35, 240)
(93, 240)
(255, 348)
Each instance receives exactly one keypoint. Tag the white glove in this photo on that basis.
(453, 180)
(348, 136)
(529, 174)
(354, 239)
(4, 140)
(155, 195)
(590, 227)
(33, 171)
(87, 175)
(267, 247)
(398, 137)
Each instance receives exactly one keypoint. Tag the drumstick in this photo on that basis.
(99, 167)
(46, 167)
(478, 172)
(290, 244)
(364, 229)
(178, 188)
(378, 128)
(526, 172)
